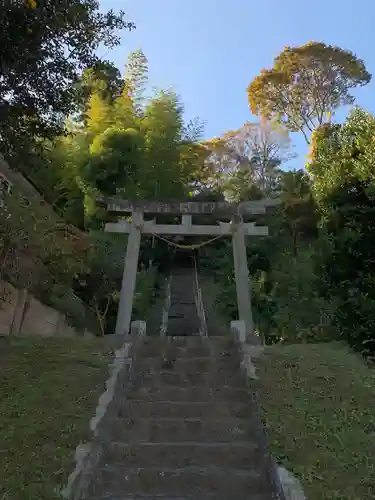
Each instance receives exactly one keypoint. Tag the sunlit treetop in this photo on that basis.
(306, 85)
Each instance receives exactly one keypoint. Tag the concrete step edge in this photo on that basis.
(188, 359)
(211, 402)
(188, 469)
(172, 420)
(187, 444)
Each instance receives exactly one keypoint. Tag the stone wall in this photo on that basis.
(22, 314)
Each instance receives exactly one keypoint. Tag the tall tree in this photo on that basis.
(219, 164)
(298, 213)
(103, 80)
(246, 162)
(163, 125)
(115, 162)
(136, 77)
(99, 115)
(260, 149)
(306, 85)
(56, 40)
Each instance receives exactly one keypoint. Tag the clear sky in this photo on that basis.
(209, 50)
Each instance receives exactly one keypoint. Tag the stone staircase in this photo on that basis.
(183, 424)
(183, 315)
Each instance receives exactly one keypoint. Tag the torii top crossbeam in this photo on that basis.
(115, 205)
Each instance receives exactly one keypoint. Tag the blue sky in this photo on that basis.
(209, 50)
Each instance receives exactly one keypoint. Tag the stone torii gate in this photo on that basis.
(237, 228)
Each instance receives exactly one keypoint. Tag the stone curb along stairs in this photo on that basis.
(188, 428)
(87, 455)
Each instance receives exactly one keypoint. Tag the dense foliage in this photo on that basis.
(120, 143)
(313, 278)
(342, 167)
(44, 47)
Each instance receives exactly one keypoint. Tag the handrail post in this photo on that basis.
(199, 301)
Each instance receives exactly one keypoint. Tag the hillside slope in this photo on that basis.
(318, 404)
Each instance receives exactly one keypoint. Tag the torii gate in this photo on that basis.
(237, 228)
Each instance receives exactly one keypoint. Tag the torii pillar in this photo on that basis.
(241, 272)
(129, 276)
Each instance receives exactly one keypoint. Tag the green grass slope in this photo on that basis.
(319, 408)
(48, 392)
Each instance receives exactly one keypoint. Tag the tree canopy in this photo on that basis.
(245, 163)
(306, 85)
(57, 41)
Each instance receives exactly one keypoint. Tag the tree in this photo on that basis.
(139, 149)
(31, 232)
(99, 114)
(306, 86)
(98, 286)
(136, 78)
(163, 127)
(126, 146)
(55, 176)
(260, 149)
(342, 167)
(246, 162)
(102, 80)
(56, 40)
(219, 165)
(241, 187)
(298, 212)
(115, 162)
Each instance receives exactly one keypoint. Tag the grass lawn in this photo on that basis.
(319, 407)
(48, 392)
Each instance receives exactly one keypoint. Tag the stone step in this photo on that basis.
(195, 346)
(181, 326)
(185, 276)
(160, 347)
(178, 379)
(179, 280)
(204, 496)
(189, 307)
(237, 455)
(182, 302)
(172, 409)
(158, 350)
(182, 289)
(182, 305)
(120, 481)
(228, 364)
(185, 301)
(184, 332)
(189, 314)
(186, 394)
(156, 430)
(178, 341)
(183, 294)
